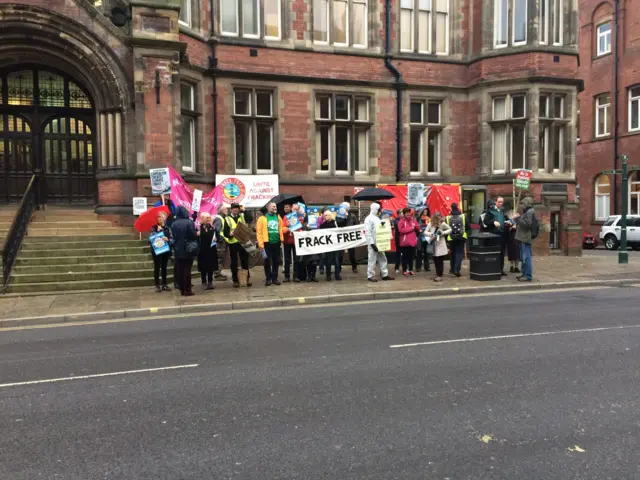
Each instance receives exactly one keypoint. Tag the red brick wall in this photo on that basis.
(593, 156)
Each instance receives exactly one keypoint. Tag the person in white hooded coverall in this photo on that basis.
(370, 226)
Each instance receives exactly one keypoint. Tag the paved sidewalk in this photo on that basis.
(138, 302)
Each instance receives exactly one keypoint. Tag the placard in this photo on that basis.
(383, 237)
(158, 243)
(197, 200)
(523, 179)
(250, 191)
(139, 205)
(160, 181)
(415, 196)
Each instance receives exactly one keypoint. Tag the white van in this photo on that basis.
(611, 231)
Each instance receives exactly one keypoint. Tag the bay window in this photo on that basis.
(188, 123)
(551, 18)
(508, 124)
(552, 133)
(509, 22)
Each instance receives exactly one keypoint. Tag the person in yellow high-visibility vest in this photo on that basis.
(457, 238)
(219, 221)
(236, 216)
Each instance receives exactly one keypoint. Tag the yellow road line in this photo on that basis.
(292, 307)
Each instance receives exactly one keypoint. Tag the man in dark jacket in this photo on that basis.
(497, 222)
(184, 234)
(460, 229)
(331, 258)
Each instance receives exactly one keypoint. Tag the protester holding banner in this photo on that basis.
(162, 232)
(270, 236)
(186, 246)
(208, 254)
(331, 258)
(408, 228)
(436, 233)
(289, 247)
(236, 252)
(351, 220)
(371, 224)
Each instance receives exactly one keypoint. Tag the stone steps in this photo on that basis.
(71, 249)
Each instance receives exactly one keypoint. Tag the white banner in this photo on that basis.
(329, 240)
(251, 191)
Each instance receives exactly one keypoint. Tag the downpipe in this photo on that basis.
(399, 85)
(213, 65)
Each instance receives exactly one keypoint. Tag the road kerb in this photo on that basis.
(299, 301)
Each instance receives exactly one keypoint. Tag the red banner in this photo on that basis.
(439, 197)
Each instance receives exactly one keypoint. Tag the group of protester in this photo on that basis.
(418, 238)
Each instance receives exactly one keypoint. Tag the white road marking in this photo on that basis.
(98, 375)
(517, 335)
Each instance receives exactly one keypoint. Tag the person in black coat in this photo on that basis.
(184, 237)
(208, 254)
(160, 261)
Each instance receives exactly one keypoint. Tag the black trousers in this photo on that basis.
(504, 243)
(160, 267)
(407, 258)
(289, 255)
(352, 258)
(422, 258)
(183, 273)
(207, 277)
(237, 252)
(272, 262)
(439, 263)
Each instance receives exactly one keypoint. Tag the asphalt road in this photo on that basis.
(325, 393)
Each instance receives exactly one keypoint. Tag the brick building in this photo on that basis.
(598, 105)
(330, 94)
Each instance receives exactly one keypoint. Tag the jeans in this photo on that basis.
(272, 262)
(235, 251)
(457, 254)
(526, 257)
(183, 267)
(407, 258)
(332, 259)
(289, 252)
(160, 266)
(376, 257)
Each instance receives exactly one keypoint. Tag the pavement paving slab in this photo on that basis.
(547, 270)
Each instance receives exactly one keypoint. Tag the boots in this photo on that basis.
(210, 286)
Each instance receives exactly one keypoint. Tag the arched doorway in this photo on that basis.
(47, 128)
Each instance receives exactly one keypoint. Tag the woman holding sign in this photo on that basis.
(161, 240)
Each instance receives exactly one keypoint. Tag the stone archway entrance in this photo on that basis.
(47, 128)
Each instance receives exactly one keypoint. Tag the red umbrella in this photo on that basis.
(149, 218)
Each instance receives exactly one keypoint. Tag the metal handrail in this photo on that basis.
(18, 231)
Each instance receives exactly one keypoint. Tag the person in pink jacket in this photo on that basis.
(408, 230)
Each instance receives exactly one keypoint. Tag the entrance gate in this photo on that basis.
(47, 128)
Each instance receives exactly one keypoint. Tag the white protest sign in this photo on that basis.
(139, 205)
(250, 191)
(329, 240)
(415, 195)
(160, 181)
(197, 200)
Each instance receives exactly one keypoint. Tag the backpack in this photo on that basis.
(457, 227)
(535, 227)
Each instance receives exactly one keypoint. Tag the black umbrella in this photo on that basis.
(372, 195)
(285, 199)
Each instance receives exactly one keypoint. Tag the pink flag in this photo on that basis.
(182, 195)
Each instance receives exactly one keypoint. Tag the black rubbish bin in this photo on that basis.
(484, 257)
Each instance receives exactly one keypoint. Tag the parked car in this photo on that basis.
(589, 242)
(610, 232)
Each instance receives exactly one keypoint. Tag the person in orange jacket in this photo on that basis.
(270, 236)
